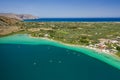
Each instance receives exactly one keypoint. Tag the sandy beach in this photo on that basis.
(108, 58)
(97, 51)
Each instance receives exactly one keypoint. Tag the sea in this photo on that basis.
(45, 62)
(26, 58)
(74, 20)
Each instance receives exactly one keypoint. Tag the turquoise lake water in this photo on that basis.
(21, 58)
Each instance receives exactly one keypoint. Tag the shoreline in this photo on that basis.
(95, 51)
(108, 58)
(81, 46)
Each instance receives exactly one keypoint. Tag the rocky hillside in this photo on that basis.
(6, 21)
(18, 16)
(9, 25)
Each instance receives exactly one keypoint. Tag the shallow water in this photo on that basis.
(45, 62)
(26, 58)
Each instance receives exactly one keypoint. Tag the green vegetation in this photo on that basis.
(76, 33)
(118, 48)
(68, 32)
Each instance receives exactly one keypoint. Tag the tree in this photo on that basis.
(118, 48)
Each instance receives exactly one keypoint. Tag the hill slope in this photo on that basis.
(9, 25)
(18, 16)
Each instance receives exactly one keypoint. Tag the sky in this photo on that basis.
(62, 8)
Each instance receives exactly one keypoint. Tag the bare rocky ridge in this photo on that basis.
(9, 25)
(18, 16)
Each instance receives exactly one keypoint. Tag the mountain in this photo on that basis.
(18, 16)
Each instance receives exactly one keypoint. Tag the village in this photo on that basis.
(111, 46)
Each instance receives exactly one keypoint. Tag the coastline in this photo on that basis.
(79, 46)
(96, 53)
(108, 58)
